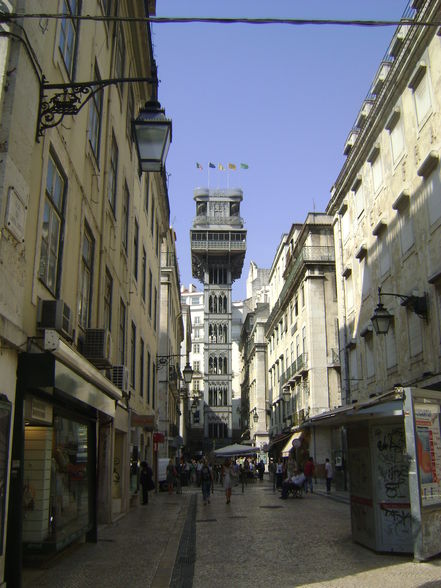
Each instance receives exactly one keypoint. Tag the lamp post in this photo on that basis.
(286, 393)
(382, 318)
(153, 133)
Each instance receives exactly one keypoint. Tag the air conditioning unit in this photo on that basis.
(120, 377)
(97, 347)
(57, 315)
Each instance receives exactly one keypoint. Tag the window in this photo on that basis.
(141, 368)
(196, 366)
(51, 238)
(125, 220)
(196, 348)
(369, 355)
(152, 216)
(431, 189)
(108, 293)
(415, 334)
(122, 333)
(135, 249)
(120, 52)
(133, 355)
(421, 93)
(396, 133)
(153, 384)
(144, 274)
(146, 194)
(304, 340)
(95, 117)
(107, 5)
(353, 369)
(113, 174)
(86, 278)
(68, 34)
(407, 238)
(383, 254)
(391, 347)
(149, 359)
(197, 320)
(359, 200)
(157, 239)
(150, 293)
(377, 173)
(349, 290)
(345, 226)
(156, 309)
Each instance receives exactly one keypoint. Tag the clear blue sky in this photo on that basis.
(279, 98)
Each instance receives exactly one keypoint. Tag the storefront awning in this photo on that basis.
(146, 421)
(389, 404)
(295, 437)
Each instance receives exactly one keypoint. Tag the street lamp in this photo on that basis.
(153, 134)
(286, 393)
(187, 372)
(152, 130)
(255, 415)
(382, 318)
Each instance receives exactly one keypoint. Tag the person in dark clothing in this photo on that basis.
(146, 481)
(261, 469)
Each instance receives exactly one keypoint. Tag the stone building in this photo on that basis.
(171, 334)
(80, 274)
(255, 419)
(386, 204)
(218, 246)
(302, 335)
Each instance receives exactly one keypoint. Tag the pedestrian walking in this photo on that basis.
(206, 481)
(261, 469)
(308, 470)
(171, 476)
(272, 472)
(279, 473)
(146, 481)
(227, 475)
(329, 473)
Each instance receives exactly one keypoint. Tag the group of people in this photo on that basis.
(288, 477)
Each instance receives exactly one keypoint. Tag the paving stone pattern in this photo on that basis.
(256, 541)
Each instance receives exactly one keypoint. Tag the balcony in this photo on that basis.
(204, 220)
(219, 245)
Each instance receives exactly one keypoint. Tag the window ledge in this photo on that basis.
(429, 164)
(361, 252)
(379, 228)
(402, 201)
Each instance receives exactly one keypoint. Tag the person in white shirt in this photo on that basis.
(297, 481)
(329, 473)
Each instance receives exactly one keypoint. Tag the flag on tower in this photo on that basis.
(221, 167)
(211, 165)
(231, 166)
(199, 166)
(244, 166)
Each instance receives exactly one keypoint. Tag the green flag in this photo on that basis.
(244, 166)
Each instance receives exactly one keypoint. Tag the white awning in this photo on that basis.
(288, 446)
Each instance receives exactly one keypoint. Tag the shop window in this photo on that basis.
(56, 513)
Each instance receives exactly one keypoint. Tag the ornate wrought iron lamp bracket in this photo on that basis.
(58, 100)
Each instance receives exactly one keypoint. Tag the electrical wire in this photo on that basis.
(214, 20)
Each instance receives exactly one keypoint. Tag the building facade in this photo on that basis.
(80, 276)
(218, 246)
(302, 332)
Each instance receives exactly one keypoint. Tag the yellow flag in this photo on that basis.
(221, 167)
(232, 166)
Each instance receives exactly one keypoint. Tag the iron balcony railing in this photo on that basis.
(218, 220)
(219, 245)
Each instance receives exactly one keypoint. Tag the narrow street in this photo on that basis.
(257, 540)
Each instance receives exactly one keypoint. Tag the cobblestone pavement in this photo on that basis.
(258, 540)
